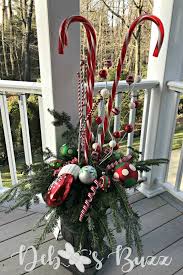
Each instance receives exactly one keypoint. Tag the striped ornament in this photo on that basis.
(91, 65)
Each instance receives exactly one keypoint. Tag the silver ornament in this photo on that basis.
(87, 174)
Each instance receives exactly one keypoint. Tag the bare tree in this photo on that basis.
(12, 61)
(4, 14)
(28, 6)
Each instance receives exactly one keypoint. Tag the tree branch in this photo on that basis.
(117, 15)
(136, 5)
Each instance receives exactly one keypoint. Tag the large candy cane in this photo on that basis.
(91, 58)
(145, 17)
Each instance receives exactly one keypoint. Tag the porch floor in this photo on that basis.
(162, 235)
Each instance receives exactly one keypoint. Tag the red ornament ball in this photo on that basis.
(126, 173)
(103, 73)
(115, 111)
(98, 120)
(136, 104)
(105, 182)
(130, 79)
(116, 147)
(128, 128)
(116, 134)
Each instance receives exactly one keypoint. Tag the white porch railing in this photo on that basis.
(144, 85)
(20, 89)
(175, 189)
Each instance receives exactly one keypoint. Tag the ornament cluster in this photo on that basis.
(96, 163)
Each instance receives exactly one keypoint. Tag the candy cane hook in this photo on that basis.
(91, 58)
(159, 43)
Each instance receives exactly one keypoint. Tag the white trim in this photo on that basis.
(179, 172)
(123, 86)
(145, 117)
(117, 118)
(175, 86)
(150, 192)
(8, 137)
(132, 117)
(20, 87)
(25, 129)
(42, 123)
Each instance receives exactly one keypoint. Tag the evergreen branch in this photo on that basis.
(144, 164)
(10, 193)
(61, 119)
(51, 222)
(106, 230)
(42, 219)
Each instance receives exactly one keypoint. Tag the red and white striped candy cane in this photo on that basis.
(88, 201)
(91, 60)
(145, 17)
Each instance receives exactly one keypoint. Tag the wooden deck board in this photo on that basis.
(153, 242)
(162, 223)
(175, 251)
(172, 201)
(18, 227)
(12, 266)
(6, 218)
(147, 205)
(10, 246)
(180, 272)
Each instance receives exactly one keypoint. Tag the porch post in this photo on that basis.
(163, 105)
(58, 72)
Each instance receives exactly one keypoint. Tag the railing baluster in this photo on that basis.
(42, 124)
(179, 172)
(25, 129)
(132, 117)
(118, 99)
(8, 138)
(101, 113)
(1, 181)
(145, 116)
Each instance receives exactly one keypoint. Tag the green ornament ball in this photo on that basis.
(54, 163)
(67, 152)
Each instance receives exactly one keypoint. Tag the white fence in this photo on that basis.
(20, 89)
(144, 85)
(175, 189)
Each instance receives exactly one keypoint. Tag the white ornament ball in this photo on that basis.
(72, 169)
(104, 92)
(95, 146)
(112, 143)
(87, 174)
